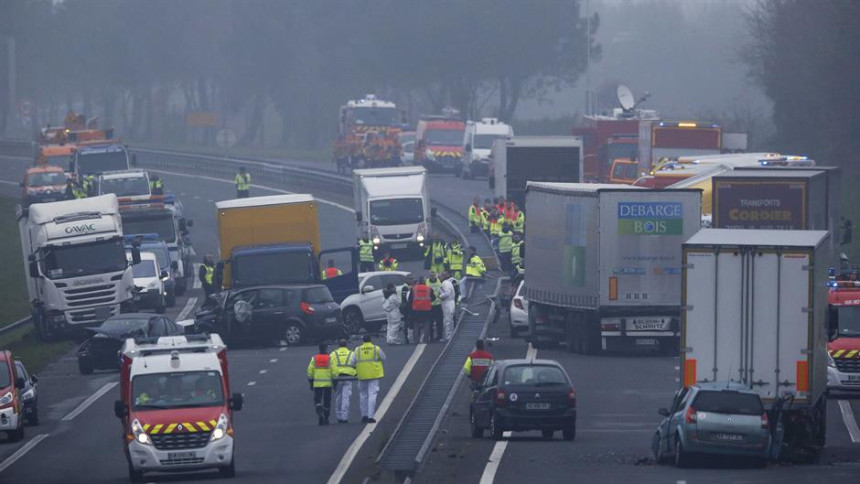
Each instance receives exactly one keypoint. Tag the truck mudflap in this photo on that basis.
(798, 433)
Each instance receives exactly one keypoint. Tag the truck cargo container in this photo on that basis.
(534, 158)
(392, 206)
(603, 265)
(754, 304)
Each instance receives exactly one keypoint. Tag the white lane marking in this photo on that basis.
(283, 348)
(251, 383)
(498, 452)
(850, 421)
(15, 184)
(682, 482)
(273, 360)
(368, 429)
(263, 372)
(230, 182)
(189, 306)
(197, 284)
(89, 401)
(23, 450)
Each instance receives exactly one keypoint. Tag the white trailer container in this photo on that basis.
(603, 264)
(392, 206)
(75, 261)
(754, 304)
(522, 159)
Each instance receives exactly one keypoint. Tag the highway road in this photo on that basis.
(278, 440)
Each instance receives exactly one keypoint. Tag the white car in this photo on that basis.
(364, 310)
(149, 282)
(519, 312)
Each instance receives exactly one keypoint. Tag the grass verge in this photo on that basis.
(14, 303)
(35, 354)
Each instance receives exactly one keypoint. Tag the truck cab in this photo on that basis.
(42, 184)
(92, 159)
(843, 329)
(175, 405)
(164, 220)
(439, 143)
(129, 186)
(478, 145)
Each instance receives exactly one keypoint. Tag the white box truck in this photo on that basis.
(478, 145)
(603, 264)
(76, 266)
(754, 305)
(392, 206)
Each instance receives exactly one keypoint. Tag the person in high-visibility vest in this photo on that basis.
(495, 227)
(435, 306)
(344, 374)
(485, 216)
(434, 255)
(368, 360)
(455, 259)
(206, 274)
(475, 270)
(320, 380)
(506, 245)
(475, 221)
(156, 186)
(243, 183)
(519, 222)
(421, 306)
(388, 263)
(478, 362)
(517, 254)
(331, 271)
(365, 255)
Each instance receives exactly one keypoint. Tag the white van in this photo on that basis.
(149, 283)
(478, 143)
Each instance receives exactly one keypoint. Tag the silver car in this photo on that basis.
(713, 418)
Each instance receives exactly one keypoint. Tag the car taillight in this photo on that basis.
(571, 398)
(500, 398)
(610, 327)
(764, 421)
(518, 304)
(307, 308)
(690, 416)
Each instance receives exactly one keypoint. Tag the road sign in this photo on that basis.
(225, 138)
(25, 108)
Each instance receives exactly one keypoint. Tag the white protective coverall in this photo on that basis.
(391, 306)
(447, 294)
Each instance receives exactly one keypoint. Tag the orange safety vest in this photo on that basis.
(321, 361)
(481, 361)
(331, 272)
(421, 297)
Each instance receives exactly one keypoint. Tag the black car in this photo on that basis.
(293, 314)
(100, 351)
(523, 395)
(29, 395)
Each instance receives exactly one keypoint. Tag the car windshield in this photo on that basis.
(46, 179)
(84, 259)
(728, 402)
(445, 137)
(177, 390)
(163, 226)
(146, 269)
(396, 211)
(375, 116)
(124, 325)
(160, 252)
(124, 187)
(317, 295)
(534, 375)
(849, 320)
(625, 171)
(272, 268)
(5, 379)
(485, 141)
(89, 163)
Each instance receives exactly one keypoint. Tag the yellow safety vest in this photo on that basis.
(365, 250)
(506, 240)
(455, 259)
(476, 267)
(210, 271)
(485, 219)
(520, 223)
(340, 359)
(368, 365)
(516, 256)
(474, 215)
(392, 267)
(495, 227)
(320, 373)
(243, 183)
(436, 287)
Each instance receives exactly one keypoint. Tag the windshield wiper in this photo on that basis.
(151, 406)
(548, 383)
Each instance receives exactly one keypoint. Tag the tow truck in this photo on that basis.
(843, 328)
(175, 405)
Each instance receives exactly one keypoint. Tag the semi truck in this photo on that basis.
(392, 207)
(603, 265)
(521, 159)
(754, 305)
(76, 267)
(276, 240)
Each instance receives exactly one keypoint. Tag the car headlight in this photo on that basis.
(220, 430)
(6, 399)
(29, 395)
(139, 434)
(429, 155)
(59, 318)
(830, 361)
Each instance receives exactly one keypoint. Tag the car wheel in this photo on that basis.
(514, 331)
(293, 334)
(171, 299)
(18, 434)
(682, 459)
(133, 475)
(477, 432)
(569, 432)
(352, 319)
(34, 419)
(162, 307)
(85, 366)
(373, 326)
(547, 434)
(230, 470)
(657, 449)
(495, 429)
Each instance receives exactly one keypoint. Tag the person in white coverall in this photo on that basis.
(449, 304)
(391, 306)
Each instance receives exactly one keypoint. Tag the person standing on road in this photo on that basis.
(448, 296)
(345, 376)
(475, 270)
(421, 303)
(243, 183)
(477, 362)
(331, 271)
(388, 263)
(391, 306)
(206, 275)
(436, 307)
(475, 221)
(506, 245)
(454, 261)
(365, 255)
(320, 379)
(369, 369)
(406, 309)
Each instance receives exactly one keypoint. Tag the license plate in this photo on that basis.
(399, 246)
(646, 342)
(537, 406)
(853, 377)
(645, 324)
(181, 455)
(330, 320)
(727, 436)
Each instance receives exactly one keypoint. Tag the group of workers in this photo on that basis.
(504, 223)
(76, 189)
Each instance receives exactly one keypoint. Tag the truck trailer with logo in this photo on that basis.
(75, 261)
(603, 265)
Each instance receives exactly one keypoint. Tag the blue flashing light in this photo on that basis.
(831, 271)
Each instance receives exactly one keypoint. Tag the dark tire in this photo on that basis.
(179, 289)
(17, 435)
(293, 334)
(514, 332)
(161, 308)
(373, 326)
(85, 366)
(496, 431)
(569, 432)
(34, 420)
(133, 475)
(230, 470)
(547, 434)
(682, 459)
(657, 449)
(39, 325)
(170, 300)
(477, 432)
(353, 319)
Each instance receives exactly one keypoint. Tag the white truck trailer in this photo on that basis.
(392, 206)
(754, 305)
(603, 264)
(76, 266)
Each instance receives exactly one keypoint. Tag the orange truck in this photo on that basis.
(843, 329)
(368, 134)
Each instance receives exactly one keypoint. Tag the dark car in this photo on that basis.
(293, 314)
(29, 395)
(521, 395)
(100, 351)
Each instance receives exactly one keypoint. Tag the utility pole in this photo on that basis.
(13, 91)
(588, 100)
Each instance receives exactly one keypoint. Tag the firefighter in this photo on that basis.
(331, 271)
(455, 259)
(388, 263)
(345, 376)
(369, 368)
(421, 306)
(320, 379)
(206, 275)
(475, 220)
(477, 363)
(243, 183)
(365, 255)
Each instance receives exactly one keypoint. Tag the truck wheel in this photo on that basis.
(85, 366)
(230, 470)
(133, 475)
(39, 324)
(352, 319)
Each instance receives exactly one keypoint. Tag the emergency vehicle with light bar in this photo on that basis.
(175, 405)
(843, 328)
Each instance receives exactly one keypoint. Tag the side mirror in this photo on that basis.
(119, 409)
(433, 212)
(174, 265)
(20, 383)
(468, 147)
(135, 256)
(664, 412)
(164, 275)
(34, 379)
(358, 216)
(237, 401)
(367, 288)
(33, 268)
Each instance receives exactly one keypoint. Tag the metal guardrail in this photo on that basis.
(12, 327)
(17, 147)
